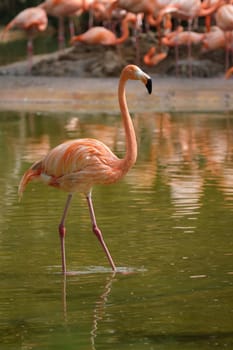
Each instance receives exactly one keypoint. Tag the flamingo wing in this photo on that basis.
(75, 166)
(96, 35)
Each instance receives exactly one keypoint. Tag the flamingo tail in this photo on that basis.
(7, 27)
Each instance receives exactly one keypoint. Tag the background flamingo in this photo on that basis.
(214, 39)
(151, 58)
(79, 164)
(104, 36)
(180, 37)
(61, 9)
(136, 6)
(224, 20)
(32, 20)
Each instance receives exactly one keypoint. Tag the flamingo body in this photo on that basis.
(224, 17)
(77, 165)
(96, 35)
(182, 38)
(62, 8)
(224, 20)
(137, 6)
(31, 18)
(187, 9)
(214, 39)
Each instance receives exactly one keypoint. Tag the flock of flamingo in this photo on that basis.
(156, 14)
(78, 165)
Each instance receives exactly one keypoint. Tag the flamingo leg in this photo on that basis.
(231, 46)
(30, 51)
(71, 26)
(177, 53)
(137, 31)
(228, 38)
(97, 231)
(137, 46)
(190, 48)
(62, 232)
(177, 59)
(61, 35)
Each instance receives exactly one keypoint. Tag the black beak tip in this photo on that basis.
(149, 85)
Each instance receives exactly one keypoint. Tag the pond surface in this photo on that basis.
(16, 50)
(168, 226)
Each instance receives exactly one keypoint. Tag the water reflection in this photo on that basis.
(186, 151)
(169, 221)
(99, 306)
(99, 309)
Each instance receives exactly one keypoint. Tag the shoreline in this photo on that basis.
(74, 94)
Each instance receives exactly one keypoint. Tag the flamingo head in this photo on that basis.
(133, 72)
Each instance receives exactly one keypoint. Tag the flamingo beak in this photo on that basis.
(145, 78)
(149, 85)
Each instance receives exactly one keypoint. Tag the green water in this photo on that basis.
(168, 226)
(16, 50)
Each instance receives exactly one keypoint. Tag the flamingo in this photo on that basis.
(180, 37)
(206, 4)
(100, 9)
(151, 58)
(139, 7)
(64, 8)
(224, 20)
(77, 165)
(214, 39)
(104, 36)
(135, 6)
(32, 20)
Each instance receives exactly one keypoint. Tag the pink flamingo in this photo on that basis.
(136, 6)
(151, 58)
(205, 5)
(61, 9)
(224, 20)
(180, 37)
(139, 7)
(214, 39)
(104, 36)
(32, 20)
(79, 164)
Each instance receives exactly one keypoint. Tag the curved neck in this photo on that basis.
(130, 137)
(124, 32)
